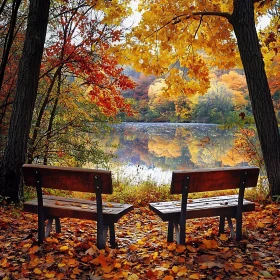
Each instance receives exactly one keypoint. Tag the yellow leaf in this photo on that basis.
(27, 245)
(133, 277)
(155, 255)
(63, 248)
(194, 276)
(182, 271)
(50, 275)
(118, 265)
(260, 225)
(175, 269)
(125, 274)
(223, 237)
(61, 264)
(84, 206)
(37, 271)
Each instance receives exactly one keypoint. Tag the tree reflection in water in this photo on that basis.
(153, 150)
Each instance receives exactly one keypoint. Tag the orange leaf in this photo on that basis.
(237, 265)
(210, 244)
(76, 271)
(133, 247)
(33, 249)
(223, 237)
(52, 240)
(168, 278)
(180, 248)
(49, 259)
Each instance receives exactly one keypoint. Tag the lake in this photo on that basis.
(152, 150)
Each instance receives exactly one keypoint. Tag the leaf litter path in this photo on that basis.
(142, 252)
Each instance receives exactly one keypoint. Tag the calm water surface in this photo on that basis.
(153, 150)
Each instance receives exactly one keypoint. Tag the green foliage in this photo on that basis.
(215, 106)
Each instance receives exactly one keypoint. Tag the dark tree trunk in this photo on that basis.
(27, 85)
(249, 47)
(9, 39)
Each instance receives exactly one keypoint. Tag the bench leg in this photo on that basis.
(49, 227)
(177, 233)
(182, 240)
(41, 229)
(238, 228)
(222, 225)
(112, 235)
(57, 225)
(232, 234)
(170, 232)
(102, 236)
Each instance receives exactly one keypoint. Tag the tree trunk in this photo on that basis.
(243, 23)
(28, 76)
(9, 40)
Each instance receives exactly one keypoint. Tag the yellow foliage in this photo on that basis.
(173, 38)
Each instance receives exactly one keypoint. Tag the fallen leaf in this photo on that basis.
(37, 271)
(223, 237)
(64, 248)
(194, 276)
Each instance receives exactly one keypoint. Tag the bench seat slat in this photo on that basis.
(202, 207)
(78, 208)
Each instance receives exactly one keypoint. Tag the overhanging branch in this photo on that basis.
(181, 17)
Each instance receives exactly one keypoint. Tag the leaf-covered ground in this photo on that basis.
(142, 252)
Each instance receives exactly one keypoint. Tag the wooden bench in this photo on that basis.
(205, 180)
(55, 207)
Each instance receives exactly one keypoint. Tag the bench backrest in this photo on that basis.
(67, 178)
(203, 180)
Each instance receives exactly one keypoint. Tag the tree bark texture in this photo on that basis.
(9, 40)
(243, 23)
(27, 85)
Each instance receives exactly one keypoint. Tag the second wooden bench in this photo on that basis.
(205, 180)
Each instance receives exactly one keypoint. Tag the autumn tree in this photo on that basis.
(13, 18)
(15, 151)
(71, 72)
(201, 34)
(27, 84)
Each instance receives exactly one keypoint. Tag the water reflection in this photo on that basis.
(153, 150)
